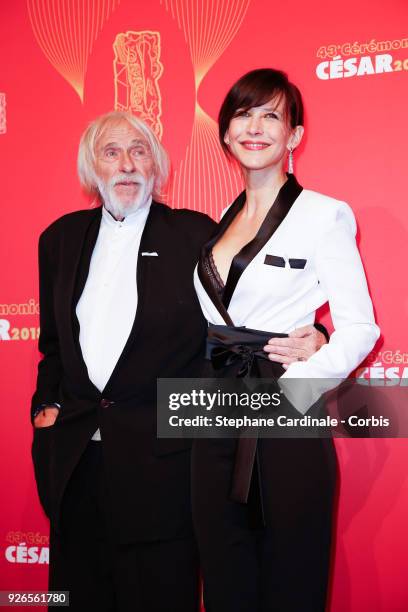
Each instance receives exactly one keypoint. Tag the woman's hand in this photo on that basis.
(301, 344)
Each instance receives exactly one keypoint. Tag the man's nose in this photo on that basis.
(127, 163)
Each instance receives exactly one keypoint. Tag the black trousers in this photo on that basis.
(283, 566)
(103, 576)
(271, 554)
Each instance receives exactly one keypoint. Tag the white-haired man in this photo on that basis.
(118, 310)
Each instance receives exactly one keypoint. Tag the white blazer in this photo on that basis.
(303, 256)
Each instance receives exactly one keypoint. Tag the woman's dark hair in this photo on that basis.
(256, 88)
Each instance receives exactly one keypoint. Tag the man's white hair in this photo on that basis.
(88, 143)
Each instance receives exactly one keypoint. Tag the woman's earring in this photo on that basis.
(290, 161)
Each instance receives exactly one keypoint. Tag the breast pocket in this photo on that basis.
(287, 275)
(282, 262)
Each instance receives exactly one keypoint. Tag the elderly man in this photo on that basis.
(118, 310)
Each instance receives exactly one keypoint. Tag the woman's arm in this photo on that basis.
(341, 275)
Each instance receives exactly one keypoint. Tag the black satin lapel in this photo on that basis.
(74, 244)
(203, 276)
(278, 211)
(211, 291)
(85, 259)
(81, 273)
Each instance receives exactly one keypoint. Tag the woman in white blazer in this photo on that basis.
(263, 508)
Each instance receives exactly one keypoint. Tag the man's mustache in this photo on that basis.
(134, 177)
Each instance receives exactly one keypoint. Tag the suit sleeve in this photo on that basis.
(341, 275)
(198, 228)
(50, 367)
(204, 228)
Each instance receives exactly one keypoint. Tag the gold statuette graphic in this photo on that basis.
(3, 123)
(137, 70)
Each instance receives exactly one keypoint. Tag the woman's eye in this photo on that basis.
(271, 116)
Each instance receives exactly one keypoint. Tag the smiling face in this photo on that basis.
(259, 137)
(124, 168)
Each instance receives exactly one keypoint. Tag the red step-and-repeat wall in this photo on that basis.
(63, 62)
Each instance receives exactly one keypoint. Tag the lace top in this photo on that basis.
(213, 274)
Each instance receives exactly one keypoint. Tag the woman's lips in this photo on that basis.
(254, 146)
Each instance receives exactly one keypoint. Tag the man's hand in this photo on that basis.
(46, 417)
(301, 344)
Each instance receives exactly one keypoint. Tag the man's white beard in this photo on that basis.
(113, 204)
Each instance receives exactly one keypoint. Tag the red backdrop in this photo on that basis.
(171, 61)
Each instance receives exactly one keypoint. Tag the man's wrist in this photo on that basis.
(44, 406)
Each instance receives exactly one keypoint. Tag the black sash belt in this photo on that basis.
(243, 348)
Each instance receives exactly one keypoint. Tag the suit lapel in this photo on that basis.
(84, 262)
(81, 275)
(235, 207)
(276, 214)
(78, 243)
(150, 242)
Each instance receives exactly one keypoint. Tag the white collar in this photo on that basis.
(134, 219)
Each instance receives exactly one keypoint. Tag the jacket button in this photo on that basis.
(105, 403)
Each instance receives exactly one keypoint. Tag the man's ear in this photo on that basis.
(296, 137)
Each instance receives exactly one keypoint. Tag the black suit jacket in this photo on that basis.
(148, 479)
